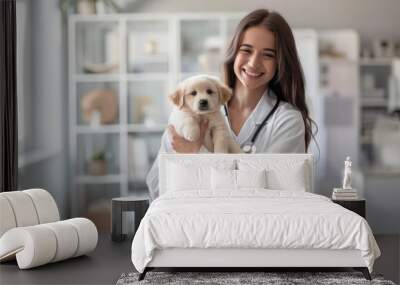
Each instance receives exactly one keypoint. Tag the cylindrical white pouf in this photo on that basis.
(7, 218)
(23, 208)
(87, 233)
(45, 205)
(67, 239)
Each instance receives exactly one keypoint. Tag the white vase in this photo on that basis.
(86, 7)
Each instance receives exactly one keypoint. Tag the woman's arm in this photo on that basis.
(182, 145)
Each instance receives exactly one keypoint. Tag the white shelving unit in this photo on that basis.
(340, 103)
(152, 53)
(376, 75)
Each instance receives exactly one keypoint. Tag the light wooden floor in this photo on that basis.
(110, 260)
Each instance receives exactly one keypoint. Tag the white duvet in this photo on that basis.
(253, 218)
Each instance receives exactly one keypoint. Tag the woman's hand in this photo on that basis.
(182, 145)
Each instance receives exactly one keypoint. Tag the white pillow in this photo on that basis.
(223, 179)
(226, 179)
(251, 178)
(292, 178)
(281, 174)
(188, 175)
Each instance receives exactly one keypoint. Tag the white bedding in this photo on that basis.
(251, 218)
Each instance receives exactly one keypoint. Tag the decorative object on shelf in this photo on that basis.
(210, 60)
(98, 164)
(151, 47)
(386, 141)
(366, 52)
(100, 67)
(328, 50)
(103, 101)
(346, 192)
(140, 103)
(147, 52)
(383, 48)
(347, 174)
(138, 160)
(150, 115)
(88, 7)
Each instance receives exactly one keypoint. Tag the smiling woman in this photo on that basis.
(267, 112)
(262, 64)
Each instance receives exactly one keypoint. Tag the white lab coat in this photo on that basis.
(283, 133)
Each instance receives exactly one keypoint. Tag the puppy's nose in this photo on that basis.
(203, 103)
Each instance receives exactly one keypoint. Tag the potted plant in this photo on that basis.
(97, 164)
(87, 7)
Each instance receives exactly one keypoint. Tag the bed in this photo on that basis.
(246, 211)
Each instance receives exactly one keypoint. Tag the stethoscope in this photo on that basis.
(250, 147)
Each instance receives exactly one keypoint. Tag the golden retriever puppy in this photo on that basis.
(200, 97)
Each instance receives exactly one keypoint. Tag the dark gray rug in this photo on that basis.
(229, 278)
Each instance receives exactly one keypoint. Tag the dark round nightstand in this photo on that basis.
(122, 209)
(357, 206)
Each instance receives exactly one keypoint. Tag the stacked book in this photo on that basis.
(344, 194)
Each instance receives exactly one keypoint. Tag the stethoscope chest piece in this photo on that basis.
(249, 148)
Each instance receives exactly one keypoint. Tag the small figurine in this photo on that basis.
(347, 174)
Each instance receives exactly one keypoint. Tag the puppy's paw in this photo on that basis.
(221, 149)
(191, 134)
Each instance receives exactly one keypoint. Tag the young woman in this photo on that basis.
(268, 111)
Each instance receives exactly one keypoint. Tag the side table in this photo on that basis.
(120, 206)
(357, 206)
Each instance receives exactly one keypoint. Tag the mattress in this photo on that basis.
(251, 219)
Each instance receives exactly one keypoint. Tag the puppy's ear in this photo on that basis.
(225, 93)
(177, 98)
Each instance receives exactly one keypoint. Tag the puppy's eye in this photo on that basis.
(193, 93)
(209, 91)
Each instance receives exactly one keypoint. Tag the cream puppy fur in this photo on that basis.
(200, 97)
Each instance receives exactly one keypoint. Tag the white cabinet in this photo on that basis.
(339, 103)
(380, 93)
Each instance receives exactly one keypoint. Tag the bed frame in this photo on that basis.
(249, 258)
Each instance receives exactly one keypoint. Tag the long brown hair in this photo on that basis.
(288, 81)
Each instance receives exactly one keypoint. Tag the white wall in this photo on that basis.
(47, 93)
(372, 18)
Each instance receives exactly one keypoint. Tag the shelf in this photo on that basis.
(338, 60)
(146, 76)
(98, 129)
(155, 58)
(132, 76)
(376, 61)
(374, 103)
(140, 128)
(103, 77)
(93, 179)
(184, 75)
